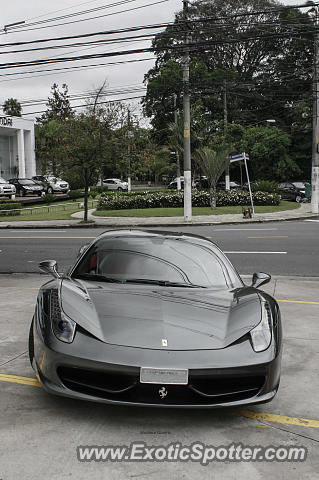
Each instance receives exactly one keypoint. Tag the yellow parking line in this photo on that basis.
(298, 301)
(278, 300)
(271, 417)
(22, 380)
(267, 417)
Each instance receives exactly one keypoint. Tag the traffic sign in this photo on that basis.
(238, 156)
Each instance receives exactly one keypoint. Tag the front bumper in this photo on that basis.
(89, 369)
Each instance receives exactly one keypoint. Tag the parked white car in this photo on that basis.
(6, 189)
(115, 184)
(52, 184)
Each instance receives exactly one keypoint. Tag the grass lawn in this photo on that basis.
(49, 212)
(176, 212)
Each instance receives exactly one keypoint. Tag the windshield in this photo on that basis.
(2, 180)
(26, 181)
(150, 260)
(299, 184)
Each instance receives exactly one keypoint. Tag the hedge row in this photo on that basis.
(201, 198)
(6, 207)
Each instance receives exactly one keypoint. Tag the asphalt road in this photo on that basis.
(281, 248)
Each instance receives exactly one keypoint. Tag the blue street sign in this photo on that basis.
(238, 156)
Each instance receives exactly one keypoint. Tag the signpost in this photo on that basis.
(237, 158)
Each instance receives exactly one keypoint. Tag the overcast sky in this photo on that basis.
(37, 85)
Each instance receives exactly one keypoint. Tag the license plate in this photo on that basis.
(165, 376)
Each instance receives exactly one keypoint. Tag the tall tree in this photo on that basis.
(58, 105)
(265, 58)
(12, 107)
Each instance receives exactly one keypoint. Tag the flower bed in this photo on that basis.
(122, 201)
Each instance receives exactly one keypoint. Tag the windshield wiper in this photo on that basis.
(97, 277)
(163, 283)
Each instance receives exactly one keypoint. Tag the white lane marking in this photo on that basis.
(257, 253)
(311, 220)
(42, 231)
(242, 229)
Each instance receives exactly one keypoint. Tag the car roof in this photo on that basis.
(127, 233)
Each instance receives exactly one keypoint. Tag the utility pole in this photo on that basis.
(315, 127)
(178, 176)
(129, 186)
(186, 107)
(227, 186)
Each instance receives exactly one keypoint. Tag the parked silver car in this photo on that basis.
(52, 184)
(115, 184)
(6, 189)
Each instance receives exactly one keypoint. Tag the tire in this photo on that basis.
(50, 190)
(39, 194)
(298, 198)
(31, 343)
(22, 193)
(120, 189)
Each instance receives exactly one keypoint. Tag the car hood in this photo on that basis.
(143, 316)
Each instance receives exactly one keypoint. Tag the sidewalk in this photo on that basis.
(303, 212)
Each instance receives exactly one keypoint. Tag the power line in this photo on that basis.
(90, 104)
(87, 19)
(74, 14)
(192, 46)
(71, 69)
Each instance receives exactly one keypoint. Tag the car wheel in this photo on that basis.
(50, 190)
(120, 189)
(298, 198)
(31, 343)
(23, 193)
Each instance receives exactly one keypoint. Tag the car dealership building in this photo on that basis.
(17, 156)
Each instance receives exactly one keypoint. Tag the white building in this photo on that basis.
(17, 157)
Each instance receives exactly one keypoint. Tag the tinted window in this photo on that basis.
(156, 258)
(26, 181)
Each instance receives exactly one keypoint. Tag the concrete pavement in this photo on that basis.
(39, 433)
(303, 212)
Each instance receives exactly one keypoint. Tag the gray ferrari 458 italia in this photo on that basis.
(156, 319)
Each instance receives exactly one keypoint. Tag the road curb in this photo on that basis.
(39, 225)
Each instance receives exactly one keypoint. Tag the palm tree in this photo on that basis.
(213, 159)
(12, 107)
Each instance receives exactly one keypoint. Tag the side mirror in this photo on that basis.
(260, 278)
(50, 266)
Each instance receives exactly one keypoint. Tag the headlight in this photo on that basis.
(63, 327)
(261, 334)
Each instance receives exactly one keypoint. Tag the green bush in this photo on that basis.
(265, 186)
(5, 209)
(49, 198)
(98, 189)
(200, 198)
(74, 194)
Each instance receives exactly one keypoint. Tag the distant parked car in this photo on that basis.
(26, 185)
(203, 183)
(52, 184)
(6, 189)
(173, 184)
(232, 185)
(115, 184)
(294, 191)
